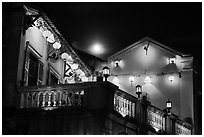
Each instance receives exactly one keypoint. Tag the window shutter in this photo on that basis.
(40, 73)
(26, 68)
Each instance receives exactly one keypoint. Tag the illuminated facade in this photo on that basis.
(50, 89)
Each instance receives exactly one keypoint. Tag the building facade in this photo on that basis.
(48, 88)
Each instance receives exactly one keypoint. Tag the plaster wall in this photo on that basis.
(155, 64)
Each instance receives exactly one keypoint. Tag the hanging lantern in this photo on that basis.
(46, 33)
(74, 66)
(138, 90)
(66, 57)
(171, 78)
(106, 72)
(56, 45)
(48, 36)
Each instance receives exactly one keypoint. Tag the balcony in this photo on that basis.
(108, 98)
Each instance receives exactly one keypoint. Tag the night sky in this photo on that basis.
(120, 24)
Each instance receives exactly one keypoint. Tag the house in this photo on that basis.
(51, 88)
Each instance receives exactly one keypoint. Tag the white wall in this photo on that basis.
(135, 61)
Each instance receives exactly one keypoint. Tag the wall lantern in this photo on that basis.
(56, 45)
(131, 79)
(147, 80)
(48, 36)
(106, 72)
(168, 106)
(138, 90)
(116, 63)
(171, 78)
(172, 60)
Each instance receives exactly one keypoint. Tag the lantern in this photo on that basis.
(56, 45)
(168, 106)
(131, 79)
(171, 78)
(116, 63)
(138, 90)
(106, 72)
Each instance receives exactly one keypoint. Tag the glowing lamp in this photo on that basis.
(84, 79)
(46, 33)
(106, 72)
(131, 79)
(138, 90)
(56, 45)
(116, 63)
(168, 105)
(64, 56)
(172, 60)
(147, 80)
(74, 66)
(48, 36)
(171, 78)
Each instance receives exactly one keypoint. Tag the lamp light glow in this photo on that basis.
(147, 80)
(84, 79)
(171, 78)
(48, 36)
(172, 60)
(131, 79)
(56, 45)
(106, 72)
(97, 48)
(138, 90)
(116, 63)
(74, 66)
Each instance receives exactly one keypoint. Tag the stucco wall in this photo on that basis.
(135, 62)
(38, 42)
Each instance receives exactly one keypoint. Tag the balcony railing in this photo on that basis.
(95, 95)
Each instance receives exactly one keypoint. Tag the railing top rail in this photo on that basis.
(126, 95)
(156, 110)
(74, 86)
(184, 123)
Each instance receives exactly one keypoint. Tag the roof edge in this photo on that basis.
(150, 40)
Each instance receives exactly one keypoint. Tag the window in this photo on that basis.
(53, 77)
(33, 70)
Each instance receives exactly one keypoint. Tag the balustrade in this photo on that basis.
(46, 97)
(155, 118)
(123, 104)
(182, 128)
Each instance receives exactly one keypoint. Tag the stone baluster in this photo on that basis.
(33, 100)
(49, 98)
(133, 109)
(130, 110)
(54, 99)
(43, 103)
(38, 99)
(60, 99)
